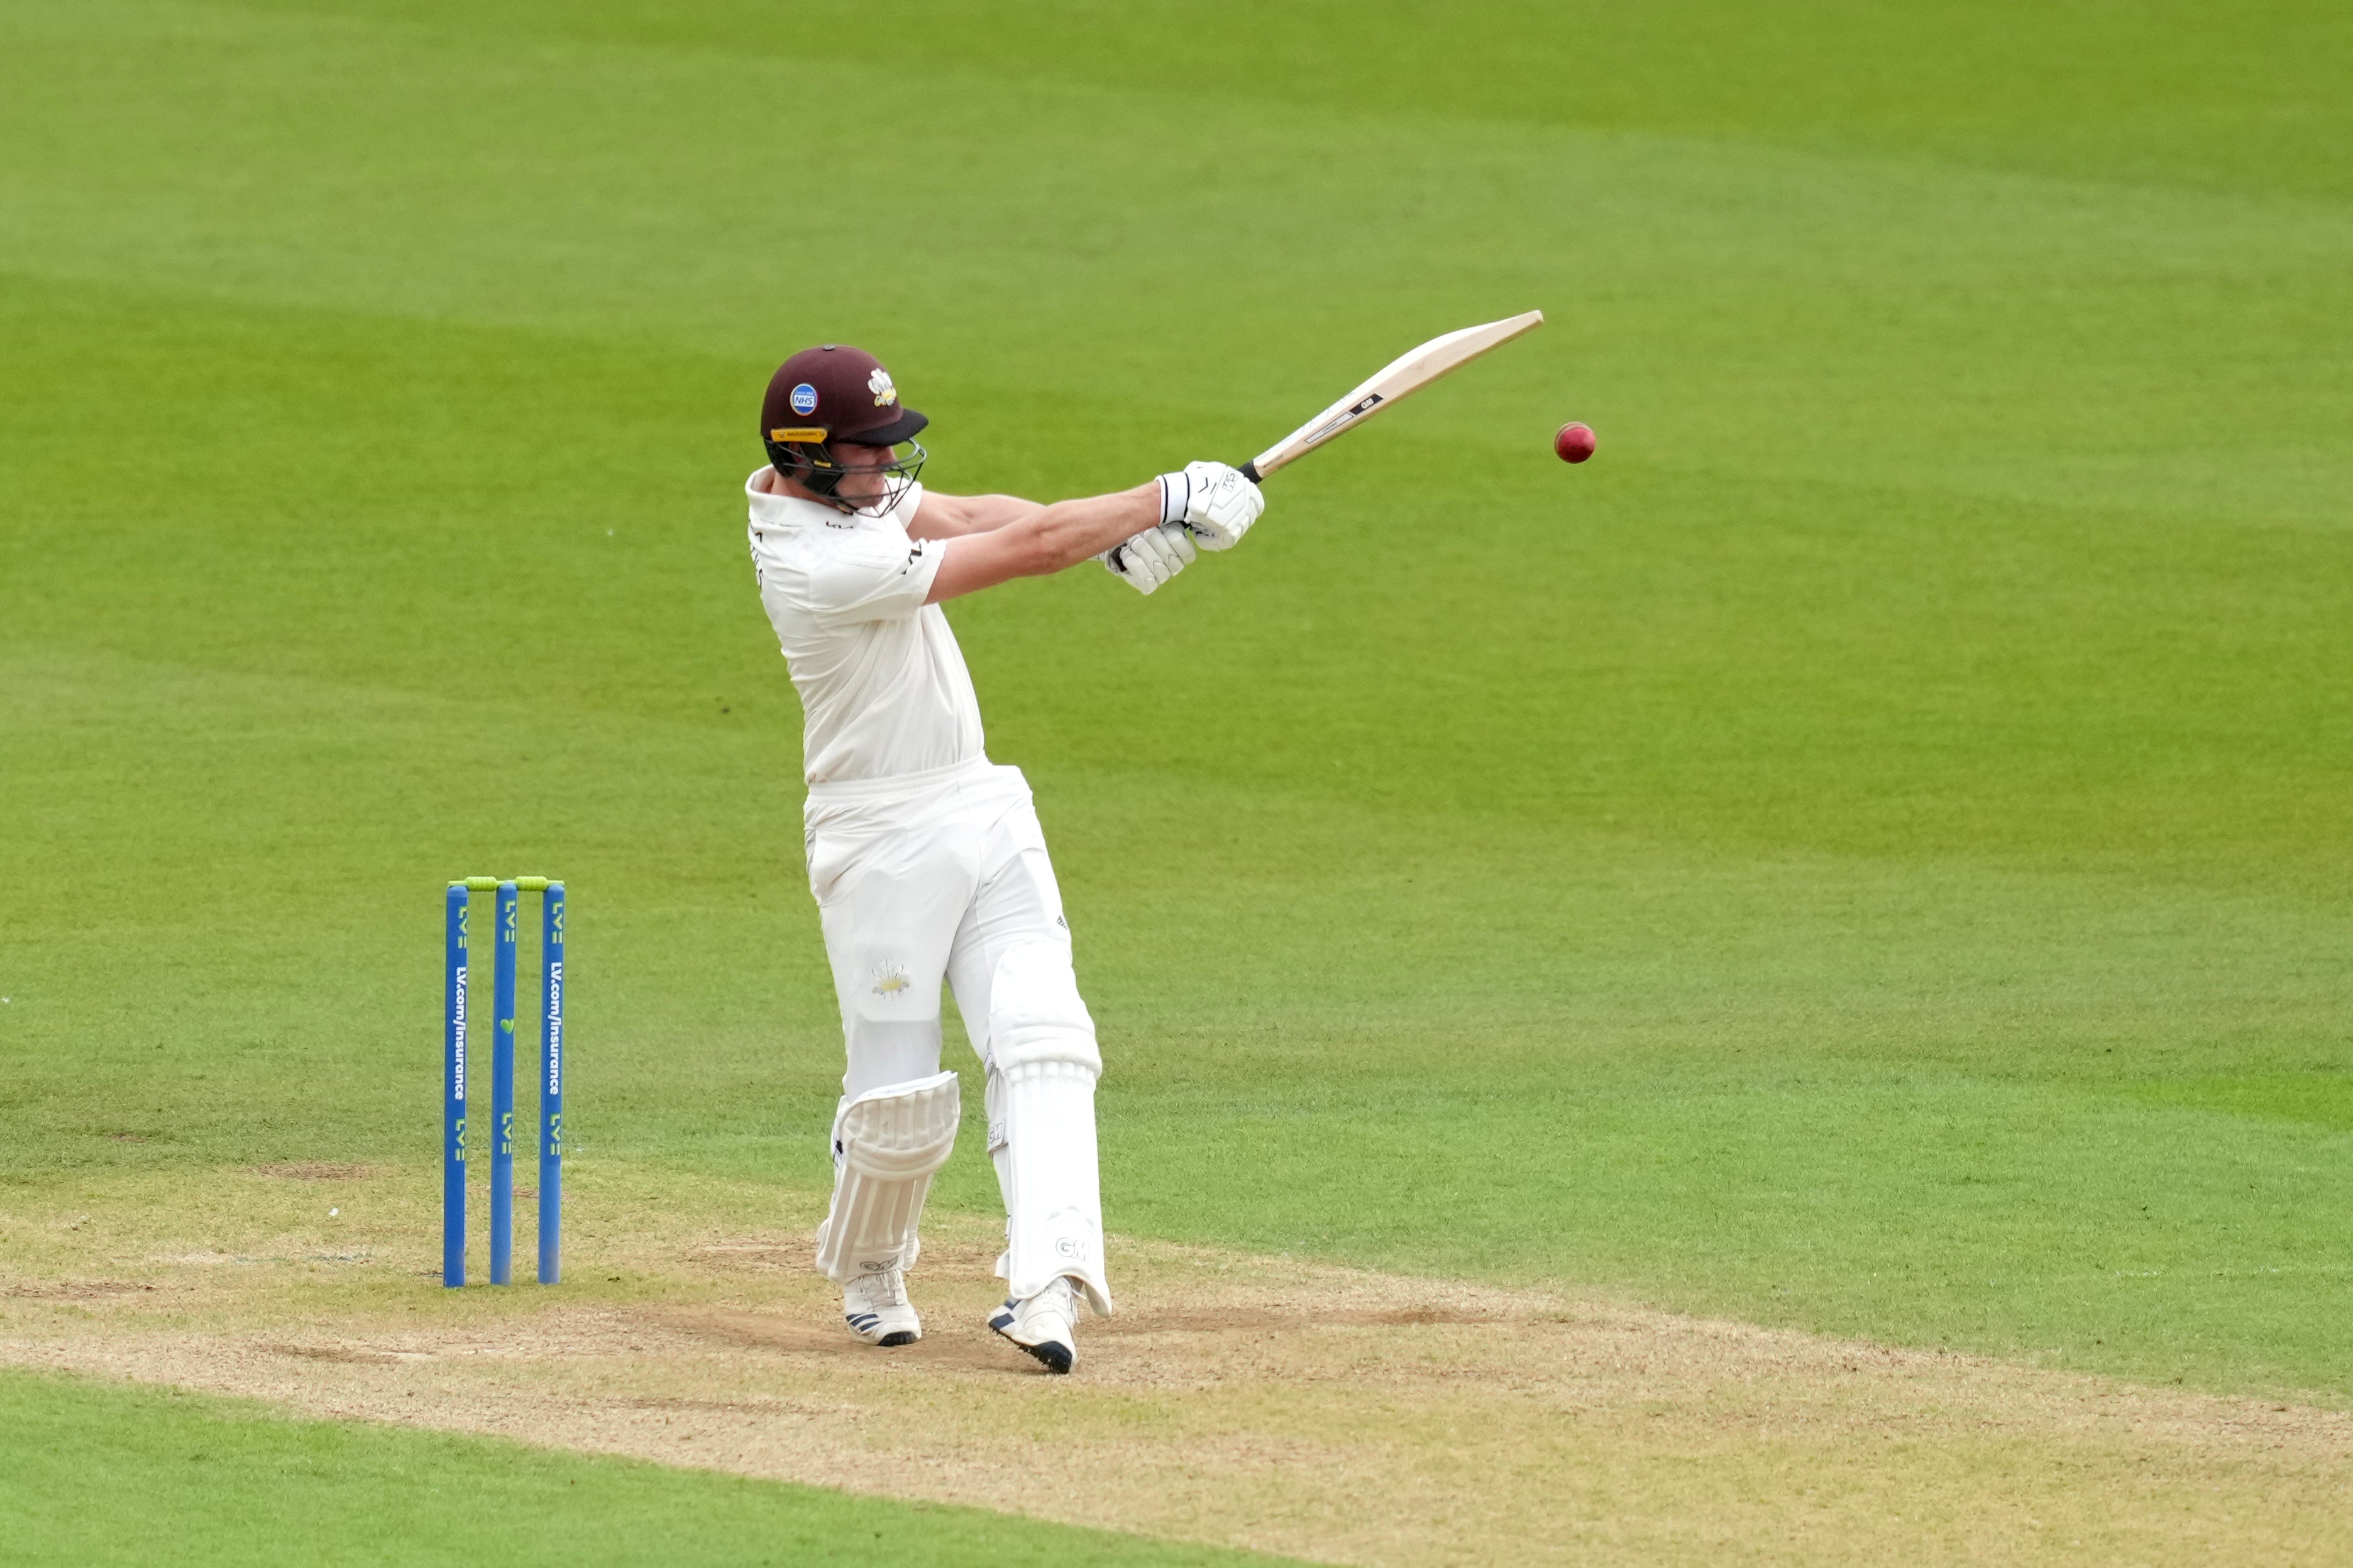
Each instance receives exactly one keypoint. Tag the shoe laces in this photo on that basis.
(1060, 1295)
(888, 1289)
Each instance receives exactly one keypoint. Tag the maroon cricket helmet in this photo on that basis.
(835, 392)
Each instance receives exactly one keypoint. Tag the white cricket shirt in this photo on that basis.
(882, 683)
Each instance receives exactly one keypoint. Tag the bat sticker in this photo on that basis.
(1355, 410)
(1393, 383)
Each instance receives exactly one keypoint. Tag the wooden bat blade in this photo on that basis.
(1401, 377)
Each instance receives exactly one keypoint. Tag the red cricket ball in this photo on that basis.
(1574, 443)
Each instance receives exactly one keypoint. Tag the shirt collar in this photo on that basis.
(771, 511)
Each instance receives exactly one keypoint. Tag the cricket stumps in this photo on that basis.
(456, 1017)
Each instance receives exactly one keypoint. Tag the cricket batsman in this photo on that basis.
(926, 858)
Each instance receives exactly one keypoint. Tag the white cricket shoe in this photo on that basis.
(1043, 1324)
(876, 1308)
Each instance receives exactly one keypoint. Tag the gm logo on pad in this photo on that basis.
(805, 399)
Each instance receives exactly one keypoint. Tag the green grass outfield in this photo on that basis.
(1869, 852)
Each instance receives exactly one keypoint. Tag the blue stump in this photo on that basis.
(502, 1094)
(453, 1094)
(550, 1084)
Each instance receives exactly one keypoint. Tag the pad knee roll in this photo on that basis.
(892, 1141)
(1035, 1013)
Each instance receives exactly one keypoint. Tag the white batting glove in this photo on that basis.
(1150, 558)
(1213, 501)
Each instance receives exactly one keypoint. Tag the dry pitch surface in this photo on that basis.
(1319, 1412)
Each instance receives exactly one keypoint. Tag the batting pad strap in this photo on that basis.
(892, 1139)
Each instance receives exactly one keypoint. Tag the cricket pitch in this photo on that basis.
(1330, 1413)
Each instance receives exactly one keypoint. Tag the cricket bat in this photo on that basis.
(1395, 381)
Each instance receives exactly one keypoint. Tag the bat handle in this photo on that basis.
(1250, 471)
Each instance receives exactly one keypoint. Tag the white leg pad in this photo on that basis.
(891, 1141)
(1041, 1113)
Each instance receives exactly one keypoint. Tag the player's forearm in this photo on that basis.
(1045, 540)
(986, 514)
(1069, 532)
(959, 517)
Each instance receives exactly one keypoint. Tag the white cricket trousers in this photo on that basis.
(943, 876)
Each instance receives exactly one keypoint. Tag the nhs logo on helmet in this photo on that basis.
(804, 399)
